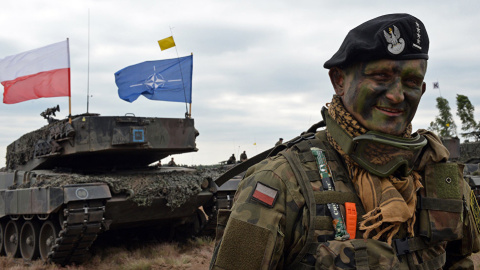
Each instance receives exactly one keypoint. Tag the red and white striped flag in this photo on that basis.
(42, 72)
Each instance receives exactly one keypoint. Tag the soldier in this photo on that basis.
(243, 157)
(405, 206)
(280, 141)
(172, 163)
(232, 159)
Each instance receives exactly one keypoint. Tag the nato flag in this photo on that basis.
(168, 80)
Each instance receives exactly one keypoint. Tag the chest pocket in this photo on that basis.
(441, 203)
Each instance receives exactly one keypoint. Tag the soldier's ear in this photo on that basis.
(424, 87)
(337, 78)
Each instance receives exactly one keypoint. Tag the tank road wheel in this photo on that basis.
(11, 239)
(29, 240)
(48, 234)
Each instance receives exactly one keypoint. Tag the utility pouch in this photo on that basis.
(359, 254)
(441, 204)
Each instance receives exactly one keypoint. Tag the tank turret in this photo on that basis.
(91, 142)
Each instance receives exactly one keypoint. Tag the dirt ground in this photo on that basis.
(194, 254)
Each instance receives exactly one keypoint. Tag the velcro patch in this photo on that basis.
(265, 194)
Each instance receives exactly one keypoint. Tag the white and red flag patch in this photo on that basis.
(265, 194)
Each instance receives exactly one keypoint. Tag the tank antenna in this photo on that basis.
(88, 61)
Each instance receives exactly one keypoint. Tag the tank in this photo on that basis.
(73, 179)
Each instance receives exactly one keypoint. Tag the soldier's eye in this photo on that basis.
(413, 82)
(380, 76)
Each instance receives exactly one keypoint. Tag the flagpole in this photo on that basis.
(69, 85)
(438, 86)
(187, 114)
(190, 112)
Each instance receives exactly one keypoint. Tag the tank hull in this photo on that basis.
(75, 208)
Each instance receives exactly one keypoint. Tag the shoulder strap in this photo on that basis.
(240, 168)
(302, 179)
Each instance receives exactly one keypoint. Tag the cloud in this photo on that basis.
(258, 66)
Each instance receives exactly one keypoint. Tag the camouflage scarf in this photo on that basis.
(389, 201)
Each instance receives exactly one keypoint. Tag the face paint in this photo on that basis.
(383, 95)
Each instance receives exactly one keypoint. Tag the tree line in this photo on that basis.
(445, 126)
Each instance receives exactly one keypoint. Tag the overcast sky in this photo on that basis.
(257, 65)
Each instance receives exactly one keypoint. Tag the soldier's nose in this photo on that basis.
(395, 93)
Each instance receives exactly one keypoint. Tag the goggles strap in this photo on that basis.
(344, 140)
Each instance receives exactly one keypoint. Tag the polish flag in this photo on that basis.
(43, 72)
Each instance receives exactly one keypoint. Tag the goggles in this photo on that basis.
(379, 153)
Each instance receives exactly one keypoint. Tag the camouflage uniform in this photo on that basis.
(271, 235)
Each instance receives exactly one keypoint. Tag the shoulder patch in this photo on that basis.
(265, 195)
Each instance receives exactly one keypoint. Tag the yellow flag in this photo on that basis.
(166, 43)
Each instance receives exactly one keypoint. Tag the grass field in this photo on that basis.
(194, 254)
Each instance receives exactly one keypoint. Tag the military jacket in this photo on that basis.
(279, 221)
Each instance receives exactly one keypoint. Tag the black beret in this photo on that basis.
(392, 36)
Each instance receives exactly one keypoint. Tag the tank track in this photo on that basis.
(81, 223)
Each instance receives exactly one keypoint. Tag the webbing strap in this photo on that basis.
(447, 205)
(361, 255)
(331, 196)
(305, 156)
(435, 263)
(416, 243)
(410, 245)
(304, 149)
(302, 179)
(323, 223)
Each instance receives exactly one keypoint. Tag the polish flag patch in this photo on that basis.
(265, 194)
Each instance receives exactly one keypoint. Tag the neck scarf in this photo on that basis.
(390, 201)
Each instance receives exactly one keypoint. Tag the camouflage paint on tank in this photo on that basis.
(142, 187)
(93, 141)
(45, 200)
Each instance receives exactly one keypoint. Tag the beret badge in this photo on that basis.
(395, 42)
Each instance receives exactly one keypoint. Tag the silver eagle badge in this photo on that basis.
(395, 42)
